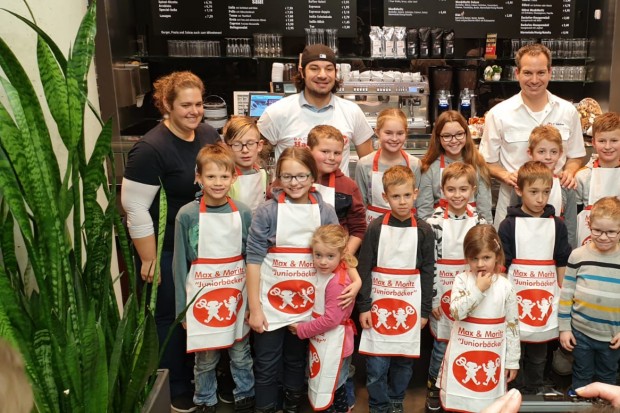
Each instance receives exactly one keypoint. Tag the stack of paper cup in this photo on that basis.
(345, 71)
(277, 72)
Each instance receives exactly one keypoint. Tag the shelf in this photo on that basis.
(551, 81)
(296, 58)
(553, 58)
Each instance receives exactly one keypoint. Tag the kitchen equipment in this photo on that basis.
(409, 96)
(441, 94)
(215, 112)
(467, 79)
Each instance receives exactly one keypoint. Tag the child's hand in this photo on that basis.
(567, 180)
(258, 322)
(567, 340)
(615, 342)
(484, 281)
(423, 322)
(510, 178)
(366, 319)
(350, 292)
(511, 374)
(293, 328)
(436, 313)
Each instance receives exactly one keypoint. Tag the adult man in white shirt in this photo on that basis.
(288, 121)
(508, 126)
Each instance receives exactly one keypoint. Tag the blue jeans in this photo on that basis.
(387, 380)
(439, 350)
(279, 360)
(240, 367)
(593, 359)
(174, 357)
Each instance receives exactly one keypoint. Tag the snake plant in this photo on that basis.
(57, 305)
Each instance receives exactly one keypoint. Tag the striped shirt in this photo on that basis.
(590, 297)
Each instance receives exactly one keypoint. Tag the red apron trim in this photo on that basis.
(203, 206)
(396, 271)
(226, 260)
(282, 196)
(477, 320)
(375, 159)
(532, 262)
(386, 218)
(289, 250)
(447, 261)
(378, 209)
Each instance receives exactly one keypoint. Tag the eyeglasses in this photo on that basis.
(238, 146)
(447, 137)
(301, 178)
(610, 234)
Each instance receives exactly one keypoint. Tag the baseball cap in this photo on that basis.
(317, 52)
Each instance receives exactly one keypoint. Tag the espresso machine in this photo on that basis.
(467, 78)
(441, 84)
(372, 97)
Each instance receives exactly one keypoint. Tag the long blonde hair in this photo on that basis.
(335, 237)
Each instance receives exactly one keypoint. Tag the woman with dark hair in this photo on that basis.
(165, 157)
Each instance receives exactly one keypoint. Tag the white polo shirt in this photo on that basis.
(508, 125)
(287, 123)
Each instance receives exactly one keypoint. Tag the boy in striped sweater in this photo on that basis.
(589, 314)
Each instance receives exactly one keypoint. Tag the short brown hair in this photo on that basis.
(166, 88)
(398, 175)
(483, 237)
(335, 237)
(606, 207)
(218, 154)
(324, 132)
(457, 170)
(301, 155)
(607, 122)
(237, 127)
(533, 49)
(545, 133)
(532, 171)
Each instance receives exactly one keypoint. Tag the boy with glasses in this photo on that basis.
(589, 314)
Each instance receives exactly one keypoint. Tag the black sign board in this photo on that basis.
(242, 18)
(476, 18)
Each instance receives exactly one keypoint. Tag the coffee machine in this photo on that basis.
(372, 97)
(441, 85)
(467, 78)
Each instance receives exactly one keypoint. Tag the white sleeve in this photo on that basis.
(361, 129)
(267, 127)
(575, 147)
(136, 199)
(491, 139)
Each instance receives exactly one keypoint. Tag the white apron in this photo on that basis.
(328, 192)
(533, 273)
(252, 191)
(216, 318)
(442, 202)
(472, 372)
(452, 262)
(603, 182)
(377, 206)
(396, 295)
(555, 197)
(287, 274)
(324, 352)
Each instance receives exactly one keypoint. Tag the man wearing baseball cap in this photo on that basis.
(288, 121)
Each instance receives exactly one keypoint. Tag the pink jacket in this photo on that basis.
(334, 315)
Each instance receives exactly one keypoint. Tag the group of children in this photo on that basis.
(281, 261)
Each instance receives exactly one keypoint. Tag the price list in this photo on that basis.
(177, 18)
(476, 18)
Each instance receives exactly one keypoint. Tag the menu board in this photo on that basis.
(476, 18)
(237, 18)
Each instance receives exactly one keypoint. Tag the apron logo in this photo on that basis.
(445, 304)
(292, 296)
(587, 240)
(218, 308)
(534, 307)
(477, 371)
(314, 362)
(392, 317)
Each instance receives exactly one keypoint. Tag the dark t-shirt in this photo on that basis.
(161, 158)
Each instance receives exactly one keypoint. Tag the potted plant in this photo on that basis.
(497, 72)
(58, 306)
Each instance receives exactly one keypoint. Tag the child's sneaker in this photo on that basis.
(203, 408)
(245, 405)
(432, 396)
(396, 407)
